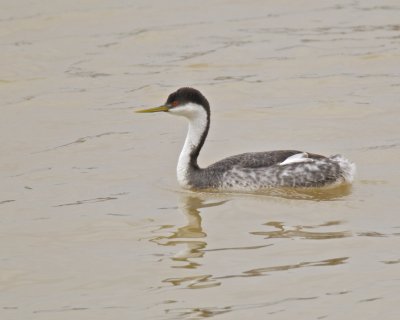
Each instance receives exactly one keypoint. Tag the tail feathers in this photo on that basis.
(348, 168)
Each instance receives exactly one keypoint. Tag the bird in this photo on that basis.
(252, 171)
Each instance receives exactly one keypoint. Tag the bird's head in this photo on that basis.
(186, 102)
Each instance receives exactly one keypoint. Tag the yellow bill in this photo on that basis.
(156, 109)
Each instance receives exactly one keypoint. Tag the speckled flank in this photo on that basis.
(261, 170)
(314, 173)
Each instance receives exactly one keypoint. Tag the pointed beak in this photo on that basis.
(164, 108)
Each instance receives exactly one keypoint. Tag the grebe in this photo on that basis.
(248, 171)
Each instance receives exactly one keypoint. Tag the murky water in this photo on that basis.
(93, 223)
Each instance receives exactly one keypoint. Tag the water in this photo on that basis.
(93, 223)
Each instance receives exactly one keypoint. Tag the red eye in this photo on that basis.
(175, 103)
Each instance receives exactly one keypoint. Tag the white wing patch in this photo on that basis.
(296, 158)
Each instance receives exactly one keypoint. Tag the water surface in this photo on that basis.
(93, 223)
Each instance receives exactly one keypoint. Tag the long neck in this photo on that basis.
(199, 125)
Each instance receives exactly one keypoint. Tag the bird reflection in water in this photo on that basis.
(191, 235)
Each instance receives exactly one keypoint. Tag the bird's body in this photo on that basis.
(248, 171)
(261, 170)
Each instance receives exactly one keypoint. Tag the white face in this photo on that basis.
(189, 110)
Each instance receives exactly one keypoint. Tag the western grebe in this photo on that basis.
(248, 171)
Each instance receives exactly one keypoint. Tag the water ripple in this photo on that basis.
(264, 271)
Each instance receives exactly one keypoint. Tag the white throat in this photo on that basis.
(197, 117)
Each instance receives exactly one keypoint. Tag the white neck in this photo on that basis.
(197, 117)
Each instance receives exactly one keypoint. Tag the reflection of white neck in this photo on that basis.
(197, 117)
